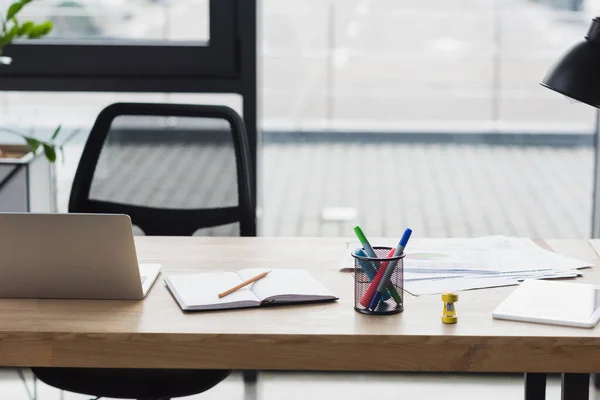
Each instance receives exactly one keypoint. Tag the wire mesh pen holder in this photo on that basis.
(368, 273)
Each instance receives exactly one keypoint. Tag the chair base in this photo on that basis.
(140, 384)
(162, 398)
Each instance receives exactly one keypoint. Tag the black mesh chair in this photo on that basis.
(175, 170)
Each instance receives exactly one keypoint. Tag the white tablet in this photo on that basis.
(549, 302)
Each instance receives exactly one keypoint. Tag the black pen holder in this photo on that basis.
(368, 274)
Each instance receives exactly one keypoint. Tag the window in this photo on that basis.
(145, 20)
(105, 44)
(39, 113)
(426, 66)
(440, 96)
(427, 114)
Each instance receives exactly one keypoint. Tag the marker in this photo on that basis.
(371, 253)
(403, 241)
(371, 272)
(389, 271)
(365, 243)
(365, 301)
(368, 267)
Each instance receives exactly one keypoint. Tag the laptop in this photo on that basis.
(71, 256)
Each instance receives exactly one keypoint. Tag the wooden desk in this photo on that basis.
(155, 333)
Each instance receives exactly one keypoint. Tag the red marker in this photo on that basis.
(365, 301)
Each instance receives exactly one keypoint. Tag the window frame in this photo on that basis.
(104, 65)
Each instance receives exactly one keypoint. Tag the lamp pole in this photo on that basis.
(596, 195)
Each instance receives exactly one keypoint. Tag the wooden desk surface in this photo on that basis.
(155, 333)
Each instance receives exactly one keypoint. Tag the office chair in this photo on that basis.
(176, 170)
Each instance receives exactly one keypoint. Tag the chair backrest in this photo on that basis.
(174, 169)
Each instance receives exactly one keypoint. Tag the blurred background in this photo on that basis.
(421, 113)
(385, 113)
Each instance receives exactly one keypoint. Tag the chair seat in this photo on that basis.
(143, 384)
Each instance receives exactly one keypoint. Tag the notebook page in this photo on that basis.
(200, 291)
(286, 285)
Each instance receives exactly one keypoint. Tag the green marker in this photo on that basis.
(371, 253)
(365, 243)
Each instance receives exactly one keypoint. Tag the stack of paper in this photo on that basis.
(434, 266)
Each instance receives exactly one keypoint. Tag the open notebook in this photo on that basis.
(196, 292)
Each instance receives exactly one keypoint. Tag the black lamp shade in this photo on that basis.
(577, 73)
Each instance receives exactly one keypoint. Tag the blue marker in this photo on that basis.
(368, 267)
(387, 275)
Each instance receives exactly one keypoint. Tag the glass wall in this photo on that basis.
(430, 65)
(426, 114)
(421, 113)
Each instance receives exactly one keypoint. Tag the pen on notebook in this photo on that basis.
(245, 283)
(368, 249)
(387, 275)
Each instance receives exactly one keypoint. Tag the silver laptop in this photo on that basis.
(71, 256)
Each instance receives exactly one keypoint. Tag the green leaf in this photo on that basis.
(26, 28)
(50, 152)
(56, 132)
(14, 31)
(33, 144)
(14, 9)
(37, 31)
(6, 39)
(47, 26)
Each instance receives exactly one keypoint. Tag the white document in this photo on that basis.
(484, 255)
(433, 266)
(491, 255)
(461, 283)
(547, 258)
(431, 257)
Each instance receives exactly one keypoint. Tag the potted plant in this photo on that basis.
(26, 172)
(13, 29)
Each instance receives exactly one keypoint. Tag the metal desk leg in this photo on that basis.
(575, 386)
(250, 376)
(535, 386)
